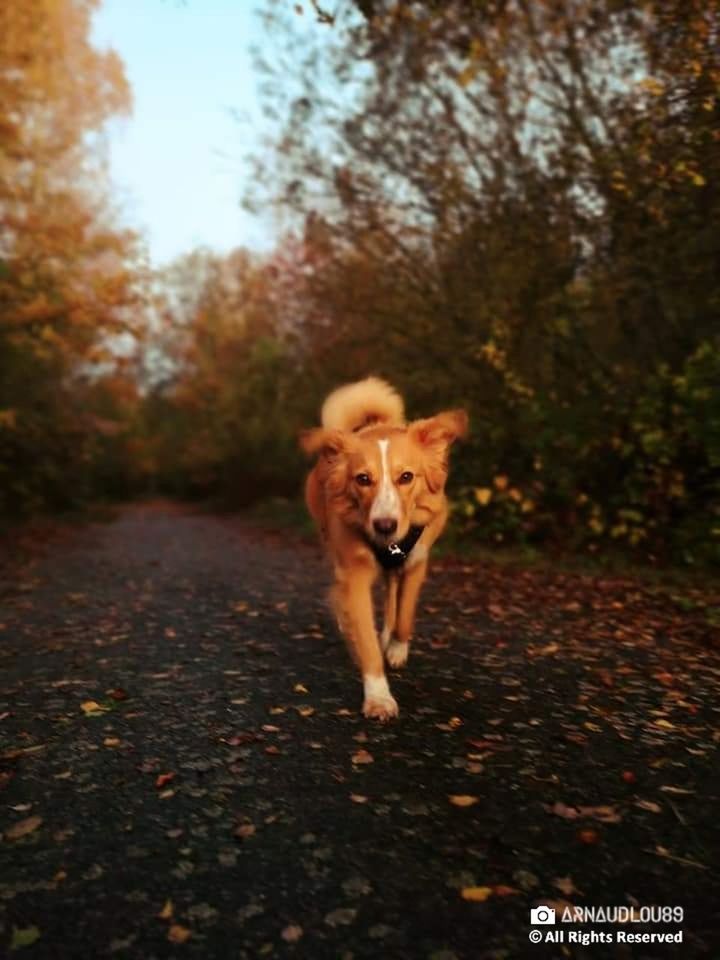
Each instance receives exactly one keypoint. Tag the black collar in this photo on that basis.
(395, 554)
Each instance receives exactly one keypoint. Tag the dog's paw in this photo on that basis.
(380, 708)
(397, 653)
(385, 638)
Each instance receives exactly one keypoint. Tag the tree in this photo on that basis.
(66, 282)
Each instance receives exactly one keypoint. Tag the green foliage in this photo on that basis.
(509, 207)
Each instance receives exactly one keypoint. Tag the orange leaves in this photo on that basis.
(481, 894)
(476, 894)
(91, 708)
(244, 831)
(462, 800)
(23, 827)
(167, 911)
(178, 933)
(605, 814)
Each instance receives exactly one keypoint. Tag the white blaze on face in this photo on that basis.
(387, 503)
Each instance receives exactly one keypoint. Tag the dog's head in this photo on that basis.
(385, 479)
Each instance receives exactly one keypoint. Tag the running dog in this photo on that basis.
(377, 496)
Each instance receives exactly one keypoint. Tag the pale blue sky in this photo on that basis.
(178, 162)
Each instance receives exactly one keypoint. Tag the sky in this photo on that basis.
(178, 163)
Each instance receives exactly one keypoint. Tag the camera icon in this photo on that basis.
(542, 915)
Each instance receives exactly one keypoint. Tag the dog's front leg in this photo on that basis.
(390, 618)
(354, 595)
(412, 581)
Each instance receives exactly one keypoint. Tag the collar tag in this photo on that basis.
(394, 555)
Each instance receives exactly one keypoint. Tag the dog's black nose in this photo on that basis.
(385, 526)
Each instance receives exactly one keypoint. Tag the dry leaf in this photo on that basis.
(178, 934)
(565, 885)
(476, 894)
(292, 933)
(362, 756)
(588, 836)
(605, 814)
(245, 830)
(167, 911)
(462, 800)
(23, 827)
(358, 798)
(92, 708)
(23, 937)
(300, 688)
(163, 779)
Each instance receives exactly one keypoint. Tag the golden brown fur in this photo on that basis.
(375, 478)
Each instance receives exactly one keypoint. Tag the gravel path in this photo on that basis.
(184, 771)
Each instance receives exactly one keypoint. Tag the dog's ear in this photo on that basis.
(434, 435)
(442, 429)
(327, 443)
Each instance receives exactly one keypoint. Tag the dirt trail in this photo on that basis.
(184, 771)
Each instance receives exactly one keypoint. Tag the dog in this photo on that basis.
(377, 495)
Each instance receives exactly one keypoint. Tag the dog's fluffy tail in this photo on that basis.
(360, 404)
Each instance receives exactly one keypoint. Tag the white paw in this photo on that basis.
(385, 638)
(378, 702)
(380, 708)
(397, 653)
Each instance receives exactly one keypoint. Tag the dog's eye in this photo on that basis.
(406, 477)
(363, 479)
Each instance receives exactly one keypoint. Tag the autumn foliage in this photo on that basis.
(67, 286)
(510, 207)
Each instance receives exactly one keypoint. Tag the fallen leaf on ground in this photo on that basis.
(178, 934)
(358, 798)
(462, 799)
(565, 885)
(476, 894)
(340, 917)
(605, 814)
(92, 708)
(588, 836)
(23, 937)
(163, 779)
(23, 827)
(21, 752)
(245, 830)
(362, 756)
(545, 651)
(167, 911)
(292, 933)
(300, 688)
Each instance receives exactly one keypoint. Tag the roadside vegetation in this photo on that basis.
(507, 206)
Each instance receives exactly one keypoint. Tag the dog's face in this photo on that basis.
(385, 479)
